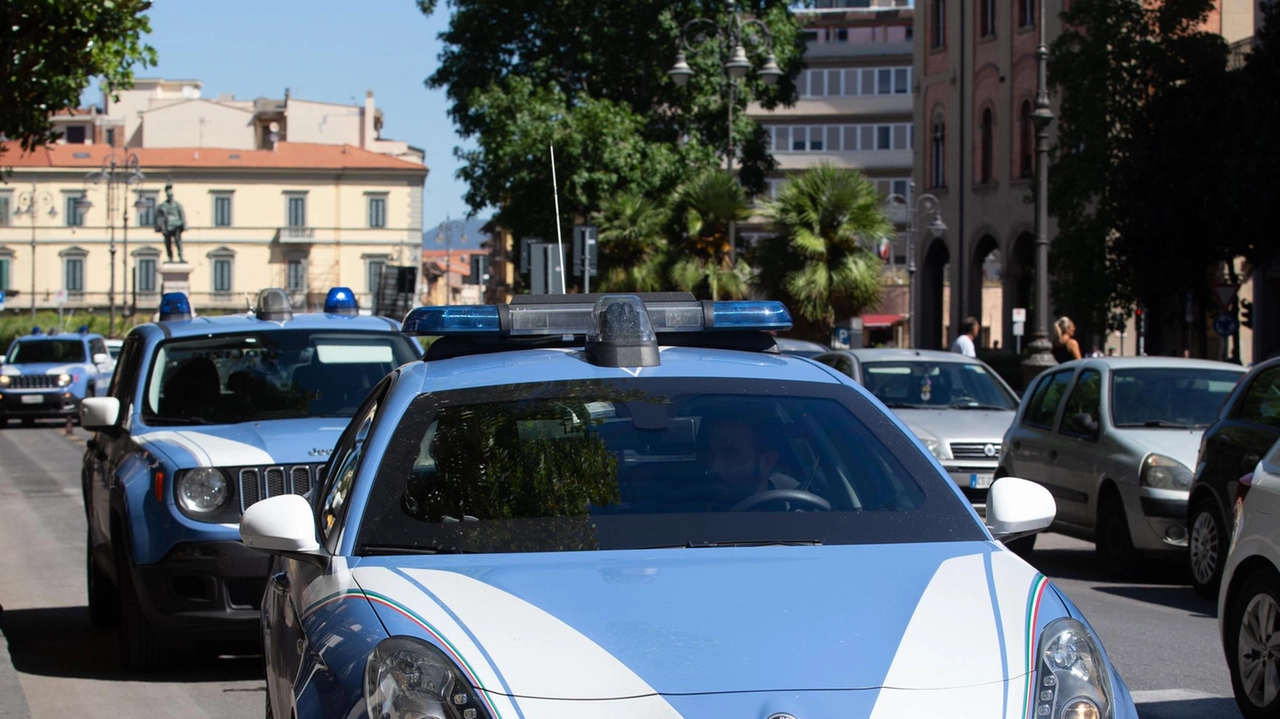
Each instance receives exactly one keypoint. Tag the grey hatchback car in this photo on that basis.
(1114, 439)
(958, 406)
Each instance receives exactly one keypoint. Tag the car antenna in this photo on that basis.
(555, 194)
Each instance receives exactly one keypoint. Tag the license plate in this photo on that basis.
(33, 399)
(980, 481)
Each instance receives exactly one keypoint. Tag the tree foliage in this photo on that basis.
(53, 48)
(703, 263)
(818, 261)
(633, 245)
(596, 66)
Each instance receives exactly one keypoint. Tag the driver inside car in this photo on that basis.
(740, 458)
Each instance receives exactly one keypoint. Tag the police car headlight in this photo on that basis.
(201, 491)
(64, 380)
(5, 380)
(1161, 472)
(1072, 680)
(407, 678)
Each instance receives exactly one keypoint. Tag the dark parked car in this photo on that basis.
(1247, 425)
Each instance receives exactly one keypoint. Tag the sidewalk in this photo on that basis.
(13, 703)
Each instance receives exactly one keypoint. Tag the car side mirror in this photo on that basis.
(101, 358)
(1017, 508)
(1, 359)
(1085, 423)
(283, 525)
(99, 414)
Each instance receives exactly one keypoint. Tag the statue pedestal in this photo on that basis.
(175, 277)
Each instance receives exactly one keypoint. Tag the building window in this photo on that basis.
(297, 210)
(378, 211)
(939, 23)
(74, 134)
(145, 282)
(296, 276)
(222, 262)
(884, 137)
(937, 154)
(73, 271)
(374, 269)
(6, 209)
(5, 260)
(74, 217)
(987, 18)
(147, 214)
(1026, 13)
(1025, 131)
(222, 209)
(988, 130)
(111, 137)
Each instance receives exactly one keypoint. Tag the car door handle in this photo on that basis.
(280, 583)
(1053, 455)
(1017, 444)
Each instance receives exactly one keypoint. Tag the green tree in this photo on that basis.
(632, 244)
(609, 61)
(701, 261)
(52, 48)
(817, 260)
(1118, 67)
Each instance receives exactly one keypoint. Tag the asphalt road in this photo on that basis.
(1160, 634)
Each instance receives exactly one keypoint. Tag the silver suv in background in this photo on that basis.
(958, 406)
(1114, 440)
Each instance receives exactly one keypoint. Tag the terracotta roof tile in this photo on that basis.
(286, 156)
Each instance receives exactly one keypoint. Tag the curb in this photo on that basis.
(13, 702)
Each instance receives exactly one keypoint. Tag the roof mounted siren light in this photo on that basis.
(174, 306)
(83, 329)
(621, 334)
(36, 331)
(273, 305)
(341, 301)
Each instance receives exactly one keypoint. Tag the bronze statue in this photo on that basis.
(171, 222)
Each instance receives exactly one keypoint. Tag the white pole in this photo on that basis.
(555, 193)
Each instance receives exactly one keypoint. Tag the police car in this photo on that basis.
(634, 506)
(46, 375)
(206, 417)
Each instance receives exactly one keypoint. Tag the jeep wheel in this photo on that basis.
(1114, 547)
(141, 648)
(1251, 634)
(1208, 541)
(104, 598)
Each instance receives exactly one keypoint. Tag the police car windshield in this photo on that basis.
(268, 375)
(53, 351)
(651, 463)
(933, 385)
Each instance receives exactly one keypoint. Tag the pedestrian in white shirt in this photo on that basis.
(964, 341)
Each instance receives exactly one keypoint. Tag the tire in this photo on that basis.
(1257, 603)
(1207, 541)
(1022, 546)
(142, 649)
(1113, 546)
(104, 597)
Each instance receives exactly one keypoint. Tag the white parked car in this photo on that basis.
(1249, 597)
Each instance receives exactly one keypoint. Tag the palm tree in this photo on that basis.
(632, 246)
(702, 262)
(819, 260)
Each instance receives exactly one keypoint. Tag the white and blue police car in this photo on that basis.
(634, 506)
(207, 416)
(45, 375)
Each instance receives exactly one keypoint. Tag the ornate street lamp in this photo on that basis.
(1040, 350)
(445, 234)
(28, 202)
(116, 169)
(736, 43)
(925, 204)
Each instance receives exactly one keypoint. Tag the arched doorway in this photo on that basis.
(1018, 284)
(933, 277)
(982, 288)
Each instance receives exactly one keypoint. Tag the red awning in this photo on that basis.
(880, 322)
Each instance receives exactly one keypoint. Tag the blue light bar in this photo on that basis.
(174, 306)
(750, 315)
(453, 320)
(341, 301)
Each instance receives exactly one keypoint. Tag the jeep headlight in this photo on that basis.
(1071, 679)
(407, 678)
(938, 449)
(64, 380)
(201, 491)
(1161, 472)
(5, 380)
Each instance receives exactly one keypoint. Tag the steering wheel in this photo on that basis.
(795, 496)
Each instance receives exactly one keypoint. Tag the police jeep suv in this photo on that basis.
(46, 375)
(207, 416)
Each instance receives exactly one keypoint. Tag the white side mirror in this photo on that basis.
(99, 413)
(101, 358)
(1016, 508)
(283, 524)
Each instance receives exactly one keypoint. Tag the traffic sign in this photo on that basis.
(1225, 294)
(1, 300)
(1019, 314)
(60, 297)
(1225, 325)
(1019, 329)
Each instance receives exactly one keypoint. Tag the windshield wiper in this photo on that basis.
(976, 405)
(906, 405)
(385, 549)
(741, 543)
(154, 419)
(1164, 424)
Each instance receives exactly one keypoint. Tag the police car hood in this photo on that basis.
(40, 367)
(958, 425)
(248, 443)
(949, 618)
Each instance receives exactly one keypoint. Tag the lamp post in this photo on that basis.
(925, 203)
(28, 203)
(735, 45)
(445, 234)
(1039, 350)
(115, 169)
